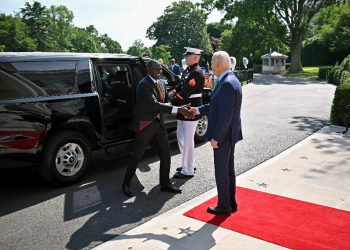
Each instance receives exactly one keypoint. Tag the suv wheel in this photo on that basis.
(65, 158)
(201, 130)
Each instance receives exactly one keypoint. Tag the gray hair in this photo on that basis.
(223, 57)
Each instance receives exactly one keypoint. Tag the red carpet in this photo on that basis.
(283, 221)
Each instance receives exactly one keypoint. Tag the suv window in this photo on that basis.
(32, 79)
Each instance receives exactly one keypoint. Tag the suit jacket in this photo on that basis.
(175, 69)
(224, 121)
(148, 104)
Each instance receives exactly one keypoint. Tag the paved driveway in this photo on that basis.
(277, 113)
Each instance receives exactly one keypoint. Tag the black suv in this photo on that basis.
(55, 108)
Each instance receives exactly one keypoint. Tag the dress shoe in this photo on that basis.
(180, 168)
(127, 190)
(219, 210)
(170, 188)
(234, 208)
(181, 176)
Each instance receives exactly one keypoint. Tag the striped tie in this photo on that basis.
(161, 96)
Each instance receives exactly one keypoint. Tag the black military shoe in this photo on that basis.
(180, 168)
(220, 211)
(182, 176)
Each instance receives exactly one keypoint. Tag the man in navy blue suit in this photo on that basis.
(224, 131)
(174, 67)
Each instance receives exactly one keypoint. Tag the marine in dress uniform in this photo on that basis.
(188, 91)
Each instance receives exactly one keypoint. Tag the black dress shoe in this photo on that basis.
(127, 190)
(181, 176)
(219, 210)
(180, 168)
(234, 208)
(170, 188)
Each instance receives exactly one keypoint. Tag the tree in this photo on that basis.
(213, 30)
(34, 16)
(162, 51)
(14, 35)
(332, 25)
(111, 45)
(215, 43)
(288, 20)
(181, 25)
(137, 48)
(249, 37)
(59, 21)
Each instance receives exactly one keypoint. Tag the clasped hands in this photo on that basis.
(187, 111)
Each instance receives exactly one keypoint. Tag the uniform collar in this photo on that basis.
(192, 66)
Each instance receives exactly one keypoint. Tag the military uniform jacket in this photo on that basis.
(192, 82)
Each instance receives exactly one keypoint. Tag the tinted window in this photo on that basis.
(84, 77)
(138, 73)
(32, 79)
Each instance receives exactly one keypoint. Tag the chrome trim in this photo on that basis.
(47, 98)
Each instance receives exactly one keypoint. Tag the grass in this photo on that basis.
(309, 72)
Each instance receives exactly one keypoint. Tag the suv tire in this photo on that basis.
(65, 158)
(201, 131)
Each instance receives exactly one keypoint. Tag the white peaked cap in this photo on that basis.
(192, 51)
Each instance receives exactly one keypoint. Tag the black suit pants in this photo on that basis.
(225, 175)
(142, 139)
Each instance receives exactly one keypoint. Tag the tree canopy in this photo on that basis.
(182, 25)
(14, 35)
(249, 37)
(36, 27)
(333, 26)
(288, 20)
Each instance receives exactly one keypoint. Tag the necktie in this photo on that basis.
(161, 96)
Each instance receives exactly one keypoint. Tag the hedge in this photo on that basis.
(258, 68)
(322, 72)
(345, 75)
(331, 74)
(340, 101)
(345, 66)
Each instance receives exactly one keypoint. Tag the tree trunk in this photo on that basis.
(295, 49)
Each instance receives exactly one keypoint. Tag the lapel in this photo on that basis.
(154, 88)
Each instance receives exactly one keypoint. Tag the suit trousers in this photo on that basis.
(225, 175)
(142, 139)
(185, 139)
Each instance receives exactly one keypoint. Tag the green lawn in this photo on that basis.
(309, 72)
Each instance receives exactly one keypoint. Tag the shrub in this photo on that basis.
(337, 76)
(340, 101)
(345, 66)
(322, 72)
(315, 49)
(331, 74)
(258, 68)
(345, 75)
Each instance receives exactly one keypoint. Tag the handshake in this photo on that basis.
(187, 111)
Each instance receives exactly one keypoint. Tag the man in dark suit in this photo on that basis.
(148, 124)
(175, 68)
(224, 131)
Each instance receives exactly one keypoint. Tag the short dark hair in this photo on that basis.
(150, 63)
